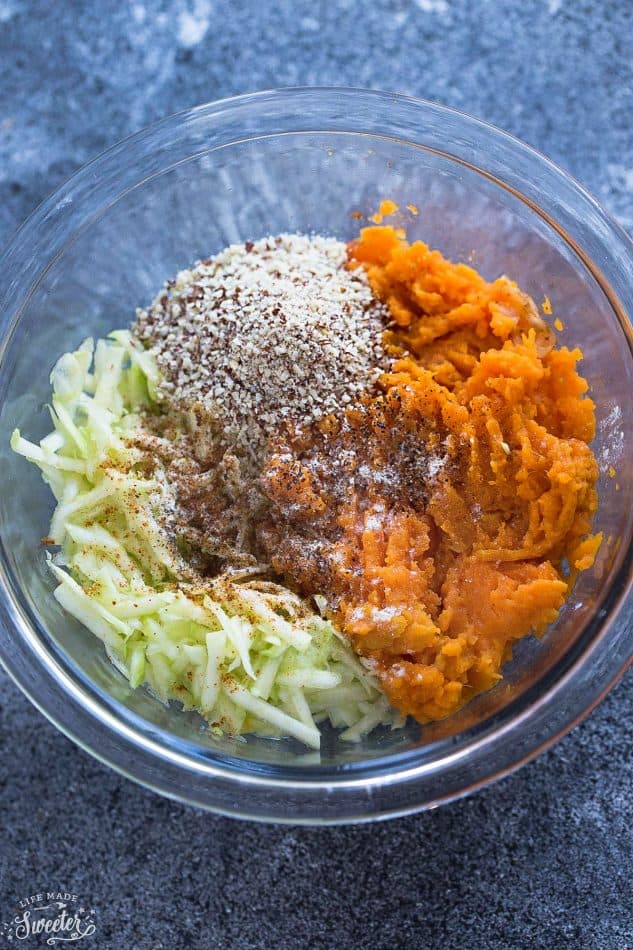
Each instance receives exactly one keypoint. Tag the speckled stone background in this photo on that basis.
(543, 859)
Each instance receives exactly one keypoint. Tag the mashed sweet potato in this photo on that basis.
(473, 486)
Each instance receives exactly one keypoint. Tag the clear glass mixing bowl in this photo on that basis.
(304, 160)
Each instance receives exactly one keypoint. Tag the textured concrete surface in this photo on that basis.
(544, 859)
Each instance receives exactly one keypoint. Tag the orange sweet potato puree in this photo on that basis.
(435, 585)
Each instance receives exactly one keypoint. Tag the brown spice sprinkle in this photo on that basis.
(379, 456)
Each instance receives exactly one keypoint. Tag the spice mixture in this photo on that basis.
(384, 429)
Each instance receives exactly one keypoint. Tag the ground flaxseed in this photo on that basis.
(264, 333)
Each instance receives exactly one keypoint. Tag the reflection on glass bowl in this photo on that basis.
(302, 161)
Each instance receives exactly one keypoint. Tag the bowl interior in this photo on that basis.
(120, 251)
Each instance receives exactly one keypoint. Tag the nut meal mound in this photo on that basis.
(262, 333)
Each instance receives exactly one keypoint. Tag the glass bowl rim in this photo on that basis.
(13, 615)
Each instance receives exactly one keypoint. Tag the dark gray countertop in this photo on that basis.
(542, 859)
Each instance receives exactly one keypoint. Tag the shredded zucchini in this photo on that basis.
(249, 658)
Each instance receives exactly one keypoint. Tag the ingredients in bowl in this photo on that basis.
(321, 482)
